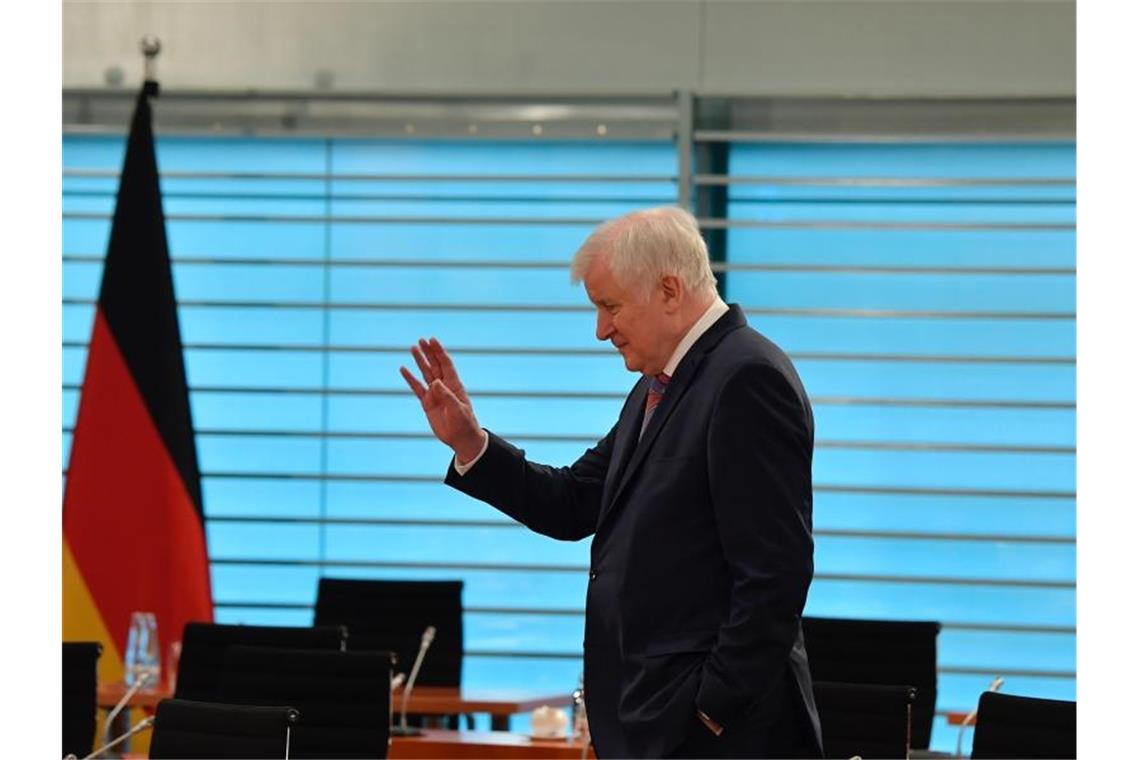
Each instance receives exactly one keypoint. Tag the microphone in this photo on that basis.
(580, 730)
(141, 680)
(425, 644)
(971, 716)
(142, 725)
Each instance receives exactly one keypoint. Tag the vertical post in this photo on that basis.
(712, 197)
(683, 135)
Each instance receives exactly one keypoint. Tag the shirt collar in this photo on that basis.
(711, 315)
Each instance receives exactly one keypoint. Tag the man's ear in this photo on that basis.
(670, 286)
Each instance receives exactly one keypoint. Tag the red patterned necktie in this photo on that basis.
(653, 398)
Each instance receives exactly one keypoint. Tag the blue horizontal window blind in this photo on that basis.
(926, 293)
(304, 271)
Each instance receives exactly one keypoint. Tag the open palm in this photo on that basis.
(444, 399)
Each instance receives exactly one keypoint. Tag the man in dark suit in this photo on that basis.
(699, 500)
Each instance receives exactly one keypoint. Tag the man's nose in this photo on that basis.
(605, 325)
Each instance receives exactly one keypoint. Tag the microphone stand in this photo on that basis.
(580, 728)
(141, 680)
(142, 725)
(425, 643)
(968, 721)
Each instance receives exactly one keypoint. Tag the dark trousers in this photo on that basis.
(781, 731)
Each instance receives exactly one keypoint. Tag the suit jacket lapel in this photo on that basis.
(686, 372)
(626, 440)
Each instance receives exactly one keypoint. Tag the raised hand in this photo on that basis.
(444, 400)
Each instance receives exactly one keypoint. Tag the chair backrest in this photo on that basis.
(80, 660)
(345, 697)
(1009, 726)
(887, 652)
(391, 616)
(868, 720)
(187, 729)
(204, 649)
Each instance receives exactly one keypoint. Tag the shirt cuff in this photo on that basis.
(716, 728)
(463, 468)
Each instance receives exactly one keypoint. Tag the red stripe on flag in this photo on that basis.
(136, 536)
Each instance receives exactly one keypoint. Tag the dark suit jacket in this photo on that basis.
(702, 550)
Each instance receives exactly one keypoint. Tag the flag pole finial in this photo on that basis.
(150, 47)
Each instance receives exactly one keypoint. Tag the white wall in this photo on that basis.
(896, 48)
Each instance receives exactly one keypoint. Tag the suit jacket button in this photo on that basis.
(593, 575)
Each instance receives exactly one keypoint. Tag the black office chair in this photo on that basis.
(80, 684)
(391, 616)
(387, 615)
(345, 697)
(209, 730)
(204, 648)
(885, 652)
(868, 720)
(1009, 726)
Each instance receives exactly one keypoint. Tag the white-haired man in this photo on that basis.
(699, 500)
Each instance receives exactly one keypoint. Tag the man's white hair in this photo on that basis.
(644, 246)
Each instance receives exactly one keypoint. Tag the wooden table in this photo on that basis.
(960, 718)
(438, 743)
(426, 700)
(501, 705)
(109, 695)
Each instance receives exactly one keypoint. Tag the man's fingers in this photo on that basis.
(416, 386)
(442, 359)
(423, 363)
(429, 355)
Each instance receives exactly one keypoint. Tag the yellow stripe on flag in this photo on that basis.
(82, 621)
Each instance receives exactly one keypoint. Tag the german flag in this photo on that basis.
(133, 528)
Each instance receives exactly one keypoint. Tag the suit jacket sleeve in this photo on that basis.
(759, 460)
(560, 502)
